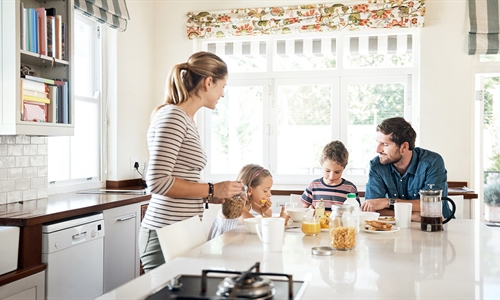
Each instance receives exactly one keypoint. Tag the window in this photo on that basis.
(76, 160)
(288, 96)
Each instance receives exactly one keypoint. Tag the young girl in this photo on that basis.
(259, 182)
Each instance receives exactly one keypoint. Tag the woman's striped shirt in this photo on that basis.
(175, 151)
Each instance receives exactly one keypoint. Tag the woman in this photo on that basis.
(176, 156)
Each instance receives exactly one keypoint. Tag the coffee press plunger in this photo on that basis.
(431, 210)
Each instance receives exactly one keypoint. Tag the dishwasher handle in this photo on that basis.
(125, 218)
(79, 236)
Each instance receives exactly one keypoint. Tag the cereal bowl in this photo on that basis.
(367, 216)
(297, 213)
(250, 224)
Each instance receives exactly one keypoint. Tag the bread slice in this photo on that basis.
(369, 227)
(379, 225)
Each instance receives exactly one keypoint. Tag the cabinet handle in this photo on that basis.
(79, 235)
(125, 218)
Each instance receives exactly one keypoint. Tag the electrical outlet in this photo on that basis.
(133, 160)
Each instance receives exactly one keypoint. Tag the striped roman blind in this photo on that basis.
(113, 13)
(484, 27)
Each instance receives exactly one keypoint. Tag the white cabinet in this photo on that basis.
(12, 57)
(27, 288)
(121, 254)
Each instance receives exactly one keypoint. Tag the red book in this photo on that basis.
(42, 30)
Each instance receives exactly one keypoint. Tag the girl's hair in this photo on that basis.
(184, 79)
(252, 175)
(336, 152)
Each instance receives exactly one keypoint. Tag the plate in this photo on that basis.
(394, 229)
(381, 219)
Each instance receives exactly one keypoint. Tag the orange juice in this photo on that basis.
(311, 228)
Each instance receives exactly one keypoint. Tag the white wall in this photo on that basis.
(158, 29)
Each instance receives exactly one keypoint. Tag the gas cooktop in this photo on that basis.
(247, 285)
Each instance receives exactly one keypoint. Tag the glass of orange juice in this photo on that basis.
(311, 225)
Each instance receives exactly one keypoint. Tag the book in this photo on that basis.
(63, 38)
(51, 31)
(34, 30)
(34, 111)
(23, 26)
(39, 79)
(51, 35)
(58, 37)
(53, 106)
(28, 29)
(42, 30)
(36, 94)
(63, 101)
(33, 85)
(36, 99)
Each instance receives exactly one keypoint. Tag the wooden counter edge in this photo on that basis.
(20, 274)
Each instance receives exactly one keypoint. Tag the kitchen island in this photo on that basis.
(463, 262)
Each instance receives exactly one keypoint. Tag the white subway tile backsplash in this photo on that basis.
(23, 184)
(15, 173)
(38, 183)
(15, 150)
(23, 168)
(30, 149)
(14, 196)
(29, 194)
(7, 185)
(30, 172)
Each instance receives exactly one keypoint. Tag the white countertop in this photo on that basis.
(463, 262)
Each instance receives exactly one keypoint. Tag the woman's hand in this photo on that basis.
(227, 189)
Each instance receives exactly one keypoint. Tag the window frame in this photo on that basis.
(75, 184)
(339, 74)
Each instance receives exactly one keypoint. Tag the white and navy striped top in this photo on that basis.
(331, 194)
(175, 151)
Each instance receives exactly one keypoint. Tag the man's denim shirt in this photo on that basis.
(426, 167)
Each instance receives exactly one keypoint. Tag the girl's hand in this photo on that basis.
(265, 207)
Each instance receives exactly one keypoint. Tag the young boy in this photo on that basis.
(332, 188)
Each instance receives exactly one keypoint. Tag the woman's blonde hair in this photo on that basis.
(184, 79)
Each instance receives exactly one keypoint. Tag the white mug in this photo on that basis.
(402, 213)
(271, 232)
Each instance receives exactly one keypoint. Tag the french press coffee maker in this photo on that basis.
(431, 210)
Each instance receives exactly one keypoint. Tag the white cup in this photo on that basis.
(271, 232)
(402, 213)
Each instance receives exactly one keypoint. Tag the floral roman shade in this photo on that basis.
(374, 14)
(484, 31)
(113, 13)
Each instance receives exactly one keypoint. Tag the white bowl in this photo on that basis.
(367, 216)
(250, 224)
(297, 213)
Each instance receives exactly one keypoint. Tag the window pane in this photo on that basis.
(491, 133)
(237, 130)
(83, 54)
(379, 51)
(368, 105)
(58, 157)
(85, 143)
(248, 56)
(304, 127)
(489, 57)
(305, 54)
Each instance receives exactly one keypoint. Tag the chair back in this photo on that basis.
(180, 237)
(209, 216)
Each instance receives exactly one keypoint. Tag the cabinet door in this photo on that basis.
(27, 288)
(120, 246)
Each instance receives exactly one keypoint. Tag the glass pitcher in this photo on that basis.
(431, 210)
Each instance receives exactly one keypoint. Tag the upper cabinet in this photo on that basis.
(43, 104)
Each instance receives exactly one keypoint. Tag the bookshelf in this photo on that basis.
(13, 57)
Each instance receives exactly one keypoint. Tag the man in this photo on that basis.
(401, 170)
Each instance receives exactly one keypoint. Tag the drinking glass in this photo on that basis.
(310, 225)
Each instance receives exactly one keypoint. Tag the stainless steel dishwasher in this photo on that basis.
(74, 253)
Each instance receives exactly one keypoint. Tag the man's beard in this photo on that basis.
(384, 159)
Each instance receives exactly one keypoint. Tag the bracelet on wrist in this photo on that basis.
(210, 194)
